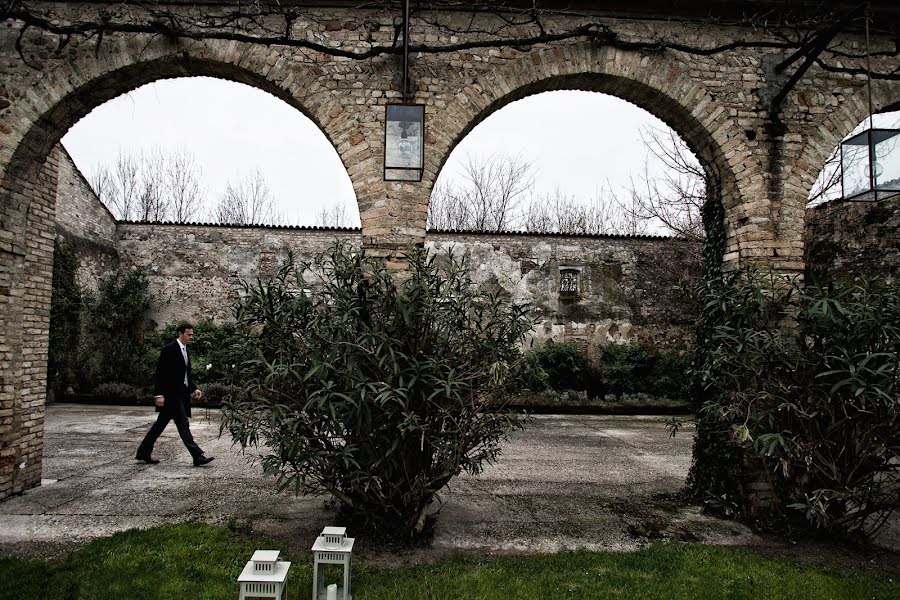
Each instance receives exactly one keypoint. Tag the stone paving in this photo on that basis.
(600, 482)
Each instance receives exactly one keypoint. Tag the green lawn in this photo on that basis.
(196, 562)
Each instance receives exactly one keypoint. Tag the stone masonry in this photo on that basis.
(627, 285)
(717, 101)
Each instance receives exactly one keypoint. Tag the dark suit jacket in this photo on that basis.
(169, 379)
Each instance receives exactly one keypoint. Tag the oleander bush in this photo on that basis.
(807, 380)
(375, 388)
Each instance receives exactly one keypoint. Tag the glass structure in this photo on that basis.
(404, 142)
(870, 165)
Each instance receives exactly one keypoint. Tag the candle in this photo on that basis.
(331, 592)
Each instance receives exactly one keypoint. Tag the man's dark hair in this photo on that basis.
(182, 327)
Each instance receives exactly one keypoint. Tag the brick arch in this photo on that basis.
(659, 85)
(53, 100)
(61, 98)
(837, 124)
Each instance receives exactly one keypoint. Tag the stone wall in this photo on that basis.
(846, 239)
(84, 223)
(626, 285)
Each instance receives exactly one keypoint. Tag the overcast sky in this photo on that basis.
(578, 142)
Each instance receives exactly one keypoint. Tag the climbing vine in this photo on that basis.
(715, 475)
(65, 321)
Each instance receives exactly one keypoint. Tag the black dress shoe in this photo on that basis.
(203, 460)
(147, 459)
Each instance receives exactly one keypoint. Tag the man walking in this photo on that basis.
(174, 387)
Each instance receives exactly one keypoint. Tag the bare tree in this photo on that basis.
(561, 213)
(334, 216)
(151, 185)
(672, 189)
(182, 176)
(247, 201)
(490, 196)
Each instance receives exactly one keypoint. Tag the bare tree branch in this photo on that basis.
(489, 198)
(247, 201)
(150, 185)
(335, 215)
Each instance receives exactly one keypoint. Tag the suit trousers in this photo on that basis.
(170, 413)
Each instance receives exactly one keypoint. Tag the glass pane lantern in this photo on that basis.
(870, 165)
(404, 142)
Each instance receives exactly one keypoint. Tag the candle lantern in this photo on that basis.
(264, 576)
(332, 547)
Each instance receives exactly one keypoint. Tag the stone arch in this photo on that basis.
(53, 100)
(659, 85)
(838, 124)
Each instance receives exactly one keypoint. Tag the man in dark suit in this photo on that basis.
(174, 387)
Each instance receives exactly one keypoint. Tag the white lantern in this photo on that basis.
(264, 576)
(332, 547)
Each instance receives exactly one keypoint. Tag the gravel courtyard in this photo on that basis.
(599, 482)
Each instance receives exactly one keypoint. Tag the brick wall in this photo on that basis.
(84, 223)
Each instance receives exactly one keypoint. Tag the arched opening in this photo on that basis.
(606, 295)
(217, 135)
(28, 192)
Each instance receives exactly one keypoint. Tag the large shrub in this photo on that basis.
(808, 380)
(566, 365)
(375, 388)
(635, 369)
(117, 324)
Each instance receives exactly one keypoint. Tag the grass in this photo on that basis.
(194, 561)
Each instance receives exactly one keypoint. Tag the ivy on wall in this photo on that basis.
(66, 303)
(715, 477)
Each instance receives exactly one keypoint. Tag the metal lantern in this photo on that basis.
(404, 142)
(332, 547)
(264, 576)
(870, 162)
(870, 165)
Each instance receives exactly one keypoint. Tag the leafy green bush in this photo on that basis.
(122, 393)
(374, 388)
(566, 365)
(116, 326)
(634, 369)
(809, 379)
(65, 322)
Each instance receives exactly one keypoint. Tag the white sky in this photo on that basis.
(577, 141)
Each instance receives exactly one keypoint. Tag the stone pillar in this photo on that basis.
(26, 274)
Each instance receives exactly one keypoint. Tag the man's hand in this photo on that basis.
(197, 394)
(159, 400)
